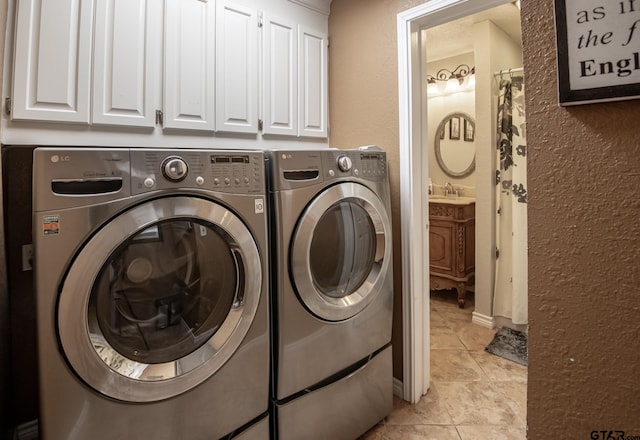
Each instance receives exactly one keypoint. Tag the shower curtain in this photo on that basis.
(511, 286)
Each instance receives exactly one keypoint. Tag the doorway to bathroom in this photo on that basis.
(417, 33)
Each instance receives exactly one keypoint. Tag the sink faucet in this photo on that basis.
(449, 190)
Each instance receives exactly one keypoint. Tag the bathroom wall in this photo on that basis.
(494, 51)
(441, 105)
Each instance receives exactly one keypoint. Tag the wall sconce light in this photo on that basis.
(451, 81)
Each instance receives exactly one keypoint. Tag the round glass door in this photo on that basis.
(164, 298)
(341, 247)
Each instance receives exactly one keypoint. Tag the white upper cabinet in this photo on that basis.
(280, 76)
(312, 82)
(127, 67)
(52, 60)
(189, 63)
(236, 68)
(203, 65)
(294, 79)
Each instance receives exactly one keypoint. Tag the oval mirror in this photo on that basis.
(455, 144)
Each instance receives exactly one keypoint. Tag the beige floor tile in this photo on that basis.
(516, 395)
(475, 337)
(449, 298)
(430, 410)
(491, 432)
(499, 369)
(454, 366)
(437, 321)
(375, 433)
(455, 320)
(413, 432)
(474, 395)
(444, 338)
(476, 403)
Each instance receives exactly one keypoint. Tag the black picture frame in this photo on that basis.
(567, 50)
(469, 130)
(454, 128)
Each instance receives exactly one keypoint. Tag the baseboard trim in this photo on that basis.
(483, 320)
(398, 388)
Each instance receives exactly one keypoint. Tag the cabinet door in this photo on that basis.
(312, 66)
(128, 47)
(236, 68)
(52, 65)
(280, 79)
(442, 247)
(189, 75)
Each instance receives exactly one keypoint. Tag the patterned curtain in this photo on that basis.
(510, 295)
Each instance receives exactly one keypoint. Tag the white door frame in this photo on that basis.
(413, 181)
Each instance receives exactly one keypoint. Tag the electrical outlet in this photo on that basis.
(27, 257)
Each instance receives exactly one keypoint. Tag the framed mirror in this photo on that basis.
(455, 144)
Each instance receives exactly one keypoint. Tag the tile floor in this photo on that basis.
(474, 395)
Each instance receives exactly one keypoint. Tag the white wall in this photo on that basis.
(494, 51)
(439, 107)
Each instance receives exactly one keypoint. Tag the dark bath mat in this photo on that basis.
(509, 344)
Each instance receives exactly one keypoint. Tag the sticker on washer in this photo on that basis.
(51, 224)
(259, 206)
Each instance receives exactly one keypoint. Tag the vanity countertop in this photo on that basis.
(451, 200)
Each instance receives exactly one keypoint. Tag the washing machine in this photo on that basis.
(151, 276)
(331, 292)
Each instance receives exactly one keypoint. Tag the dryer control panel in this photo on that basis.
(291, 169)
(368, 165)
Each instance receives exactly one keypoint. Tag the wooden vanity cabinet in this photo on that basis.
(452, 246)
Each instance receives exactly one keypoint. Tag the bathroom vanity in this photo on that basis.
(452, 244)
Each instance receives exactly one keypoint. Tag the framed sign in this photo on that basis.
(598, 50)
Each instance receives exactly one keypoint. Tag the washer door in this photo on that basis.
(159, 298)
(341, 251)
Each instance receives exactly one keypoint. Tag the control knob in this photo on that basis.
(174, 169)
(344, 163)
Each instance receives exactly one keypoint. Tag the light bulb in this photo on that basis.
(452, 85)
(471, 82)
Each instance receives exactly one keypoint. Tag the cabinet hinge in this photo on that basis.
(497, 253)
(260, 23)
(159, 117)
(7, 105)
(260, 124)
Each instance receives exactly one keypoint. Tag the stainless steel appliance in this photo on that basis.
(152, 293)
(331, 292)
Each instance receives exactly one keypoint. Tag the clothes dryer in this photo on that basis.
(151, 284)
(331, 293)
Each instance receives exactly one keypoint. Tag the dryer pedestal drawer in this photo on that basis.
(344, 409)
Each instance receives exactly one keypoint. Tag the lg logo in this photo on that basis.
(55, 158)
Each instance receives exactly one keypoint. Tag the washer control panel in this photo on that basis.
(239, 172)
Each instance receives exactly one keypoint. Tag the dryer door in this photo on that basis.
(341, 251)
(159, 298)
